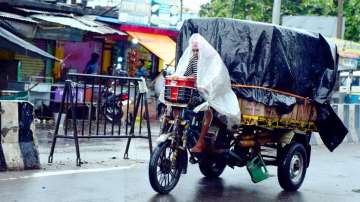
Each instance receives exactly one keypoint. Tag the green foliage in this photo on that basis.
(258, 10)
(261, 10)
(352, 22)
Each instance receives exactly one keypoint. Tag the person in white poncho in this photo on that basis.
(202, 61)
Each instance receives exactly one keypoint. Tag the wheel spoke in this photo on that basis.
(158, 173)
(172, 174)
(168, 178)
(165, 181)
(161, 158)
(161, 180)
(170, 152)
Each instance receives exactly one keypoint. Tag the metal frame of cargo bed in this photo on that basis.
(278, 123)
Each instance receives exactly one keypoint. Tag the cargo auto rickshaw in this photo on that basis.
(283, 79)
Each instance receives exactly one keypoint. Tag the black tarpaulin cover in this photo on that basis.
(275, 57)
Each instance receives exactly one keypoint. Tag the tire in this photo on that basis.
(292, 166)
(111, 116)
(212, 169)
(165, 169)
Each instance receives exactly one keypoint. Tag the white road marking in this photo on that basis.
(67, 172)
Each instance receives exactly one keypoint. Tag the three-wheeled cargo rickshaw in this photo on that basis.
(283, 80)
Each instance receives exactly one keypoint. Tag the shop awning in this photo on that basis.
(9, 41)
(13, 16)
(82, 23)
(160, 45)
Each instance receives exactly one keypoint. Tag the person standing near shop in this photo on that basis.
(141, 71)
(92, 65)
(159, 85)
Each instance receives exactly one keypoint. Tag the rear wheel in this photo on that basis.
(212, 169)
(292, 166)
(164, 173)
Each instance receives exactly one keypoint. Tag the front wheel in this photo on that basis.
(292, 166)
(164, 173)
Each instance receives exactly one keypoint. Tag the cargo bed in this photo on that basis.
(302, 117)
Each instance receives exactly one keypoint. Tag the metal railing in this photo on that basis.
(99, 106)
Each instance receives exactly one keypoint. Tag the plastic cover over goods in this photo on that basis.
(275, 57)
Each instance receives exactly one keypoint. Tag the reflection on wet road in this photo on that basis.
(331, 177)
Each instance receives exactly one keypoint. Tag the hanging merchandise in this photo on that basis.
(132, 58)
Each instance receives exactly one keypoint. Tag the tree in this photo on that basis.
(241, 9)
(261, 10)
(352, 20)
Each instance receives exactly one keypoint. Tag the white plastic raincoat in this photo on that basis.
(213, 80)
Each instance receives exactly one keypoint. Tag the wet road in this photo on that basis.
(331, 177)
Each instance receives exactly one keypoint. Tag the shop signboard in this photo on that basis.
(349, 53)
(165, 13)
(135, 11)
(348, 63)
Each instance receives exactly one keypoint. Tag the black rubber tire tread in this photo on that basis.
(207, 170)
(284, 166)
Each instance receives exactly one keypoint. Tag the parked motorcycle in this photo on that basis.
(112, 107)
(113, 104)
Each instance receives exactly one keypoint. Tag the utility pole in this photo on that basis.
(181, 10)
(276, 12)
(340, 19)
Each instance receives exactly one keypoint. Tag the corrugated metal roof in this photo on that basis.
(31, 11)
(82, 23)
(108, 20)
(16, 17)
(15, 43)
(90, 21)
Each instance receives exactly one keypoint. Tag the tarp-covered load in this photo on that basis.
(275, 57)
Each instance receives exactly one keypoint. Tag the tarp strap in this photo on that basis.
(270, 89)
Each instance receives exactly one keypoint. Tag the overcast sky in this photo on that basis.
(195, 4)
